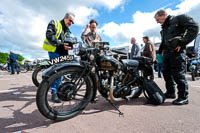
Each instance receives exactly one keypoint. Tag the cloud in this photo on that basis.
(122, 33)
(83, 15)
(23, 22)
(111, 4)
(145, 24)
(21, 27)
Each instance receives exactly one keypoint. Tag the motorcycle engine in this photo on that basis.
(121, 91)
(120, 80)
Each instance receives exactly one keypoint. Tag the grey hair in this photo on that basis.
(69, 13)
(160, 12)
(133, 38)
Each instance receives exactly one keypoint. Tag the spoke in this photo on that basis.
(73, 78)
(77, 88)
(80, 95)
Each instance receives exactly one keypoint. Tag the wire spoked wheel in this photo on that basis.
(75, 93)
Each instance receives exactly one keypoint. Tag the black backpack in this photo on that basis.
(153, 92)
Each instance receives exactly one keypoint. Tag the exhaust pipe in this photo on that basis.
(111, 92)
(133, 92)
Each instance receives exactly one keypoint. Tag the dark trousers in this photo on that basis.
(14, 66)
(174, 65)
(160, 67)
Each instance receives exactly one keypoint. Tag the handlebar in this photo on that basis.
(118, 52)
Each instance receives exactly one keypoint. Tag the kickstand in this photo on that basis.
(120, 113)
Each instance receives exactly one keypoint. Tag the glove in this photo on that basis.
(174, 42)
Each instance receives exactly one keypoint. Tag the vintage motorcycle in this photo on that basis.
(115, 80)
(195, 68)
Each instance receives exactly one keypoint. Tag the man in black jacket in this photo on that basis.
(177, 32)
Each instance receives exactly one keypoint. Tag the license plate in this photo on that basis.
(61, 59)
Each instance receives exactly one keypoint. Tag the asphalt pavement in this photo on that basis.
(18, 112)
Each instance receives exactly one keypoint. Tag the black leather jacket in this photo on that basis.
(177, 31)
(50, 35)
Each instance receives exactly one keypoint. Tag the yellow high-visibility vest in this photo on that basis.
(49, 46)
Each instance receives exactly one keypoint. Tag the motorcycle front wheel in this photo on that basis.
(74, 92)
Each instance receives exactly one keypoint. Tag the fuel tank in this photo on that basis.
(109, 63)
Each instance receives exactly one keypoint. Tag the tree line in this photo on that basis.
(4, 56)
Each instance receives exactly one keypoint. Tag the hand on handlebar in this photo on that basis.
(67, 47)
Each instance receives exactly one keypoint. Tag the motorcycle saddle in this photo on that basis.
(130, 63)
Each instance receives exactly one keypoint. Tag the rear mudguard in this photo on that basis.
(192, 67)
(55, 68)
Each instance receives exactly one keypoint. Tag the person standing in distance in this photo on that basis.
(135, 50)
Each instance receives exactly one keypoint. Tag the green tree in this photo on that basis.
(4, 56)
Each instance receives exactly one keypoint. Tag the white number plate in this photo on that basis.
(61, 59)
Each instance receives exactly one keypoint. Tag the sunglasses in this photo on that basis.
(71, 21)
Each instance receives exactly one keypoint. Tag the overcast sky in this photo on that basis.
(23, 23)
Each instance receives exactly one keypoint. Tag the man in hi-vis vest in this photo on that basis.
(56, 32)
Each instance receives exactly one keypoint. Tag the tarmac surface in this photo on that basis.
(18, 112)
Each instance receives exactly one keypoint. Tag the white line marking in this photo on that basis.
(4, 91)
(8, 79)
(195, 86)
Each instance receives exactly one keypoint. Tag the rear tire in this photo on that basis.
(138, 93)
(35, 75)
(193, 74)
(63, 113)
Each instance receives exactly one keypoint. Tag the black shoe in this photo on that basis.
(168, 95)
(55, 98)
(180, 101)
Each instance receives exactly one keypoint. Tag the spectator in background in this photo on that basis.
(135, 50)
(149, 49)
(159, 58)
(8, 63)
(14, 59)
(91, 36)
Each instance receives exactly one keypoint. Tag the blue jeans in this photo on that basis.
(9, 67)
(160, 67)
(55, 85)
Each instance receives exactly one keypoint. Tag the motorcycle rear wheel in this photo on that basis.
(193, 74)
(36, 77)
(70, 106)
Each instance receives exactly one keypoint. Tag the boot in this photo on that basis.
(55, 98)
(180, 101)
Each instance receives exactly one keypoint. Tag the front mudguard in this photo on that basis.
(55, 68)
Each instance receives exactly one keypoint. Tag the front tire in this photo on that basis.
(70, 106)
